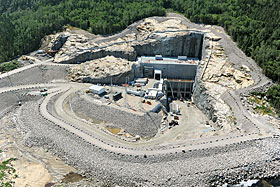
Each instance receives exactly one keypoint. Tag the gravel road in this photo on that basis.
(209, 161)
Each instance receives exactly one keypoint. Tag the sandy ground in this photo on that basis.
(34, 166)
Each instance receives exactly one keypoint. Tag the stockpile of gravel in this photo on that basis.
(146, 125)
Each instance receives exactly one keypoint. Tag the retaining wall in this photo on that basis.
(146, 125)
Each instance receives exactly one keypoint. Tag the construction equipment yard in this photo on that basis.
(124, 134)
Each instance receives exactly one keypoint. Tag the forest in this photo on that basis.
(253, 24)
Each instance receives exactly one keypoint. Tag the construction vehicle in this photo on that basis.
(24, 58)
(51, 52)
(88, 91)
(173, 123)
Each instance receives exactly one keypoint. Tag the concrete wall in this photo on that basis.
(179, 71)
(180, 89)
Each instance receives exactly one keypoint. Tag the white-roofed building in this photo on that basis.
(97, 89)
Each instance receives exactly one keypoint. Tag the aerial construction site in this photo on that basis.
(165, 102)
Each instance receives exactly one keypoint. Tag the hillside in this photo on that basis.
(253, 24)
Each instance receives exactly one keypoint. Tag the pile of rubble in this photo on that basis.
(100, 68)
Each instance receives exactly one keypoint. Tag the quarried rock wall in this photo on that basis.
(189, 44)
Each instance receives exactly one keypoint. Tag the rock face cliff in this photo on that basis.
(181, 45)
(148, 37)
(216, 75)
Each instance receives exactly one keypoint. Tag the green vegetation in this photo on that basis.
(262, 98)
(24, 23)
(9, 66)
(273, 95)
(263, 109)
(253, 24)
(7, 173)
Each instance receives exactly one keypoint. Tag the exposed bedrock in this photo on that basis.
(189, 45)
(204, 101)
(59, 42)
(105, 71)
(146, 125)
(114, 79)
(168, 37)
(96, 54)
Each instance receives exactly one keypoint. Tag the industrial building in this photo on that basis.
(178, 73)
(169, 67)
(97, 89)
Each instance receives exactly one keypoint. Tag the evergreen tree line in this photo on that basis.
(23, 23)
(253, 24)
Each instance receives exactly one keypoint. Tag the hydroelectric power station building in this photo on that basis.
(179, 73)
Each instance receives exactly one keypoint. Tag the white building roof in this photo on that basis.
(168, 60)
(97, 88)
(153, 93)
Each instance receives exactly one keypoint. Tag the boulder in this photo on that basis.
(59, 41)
